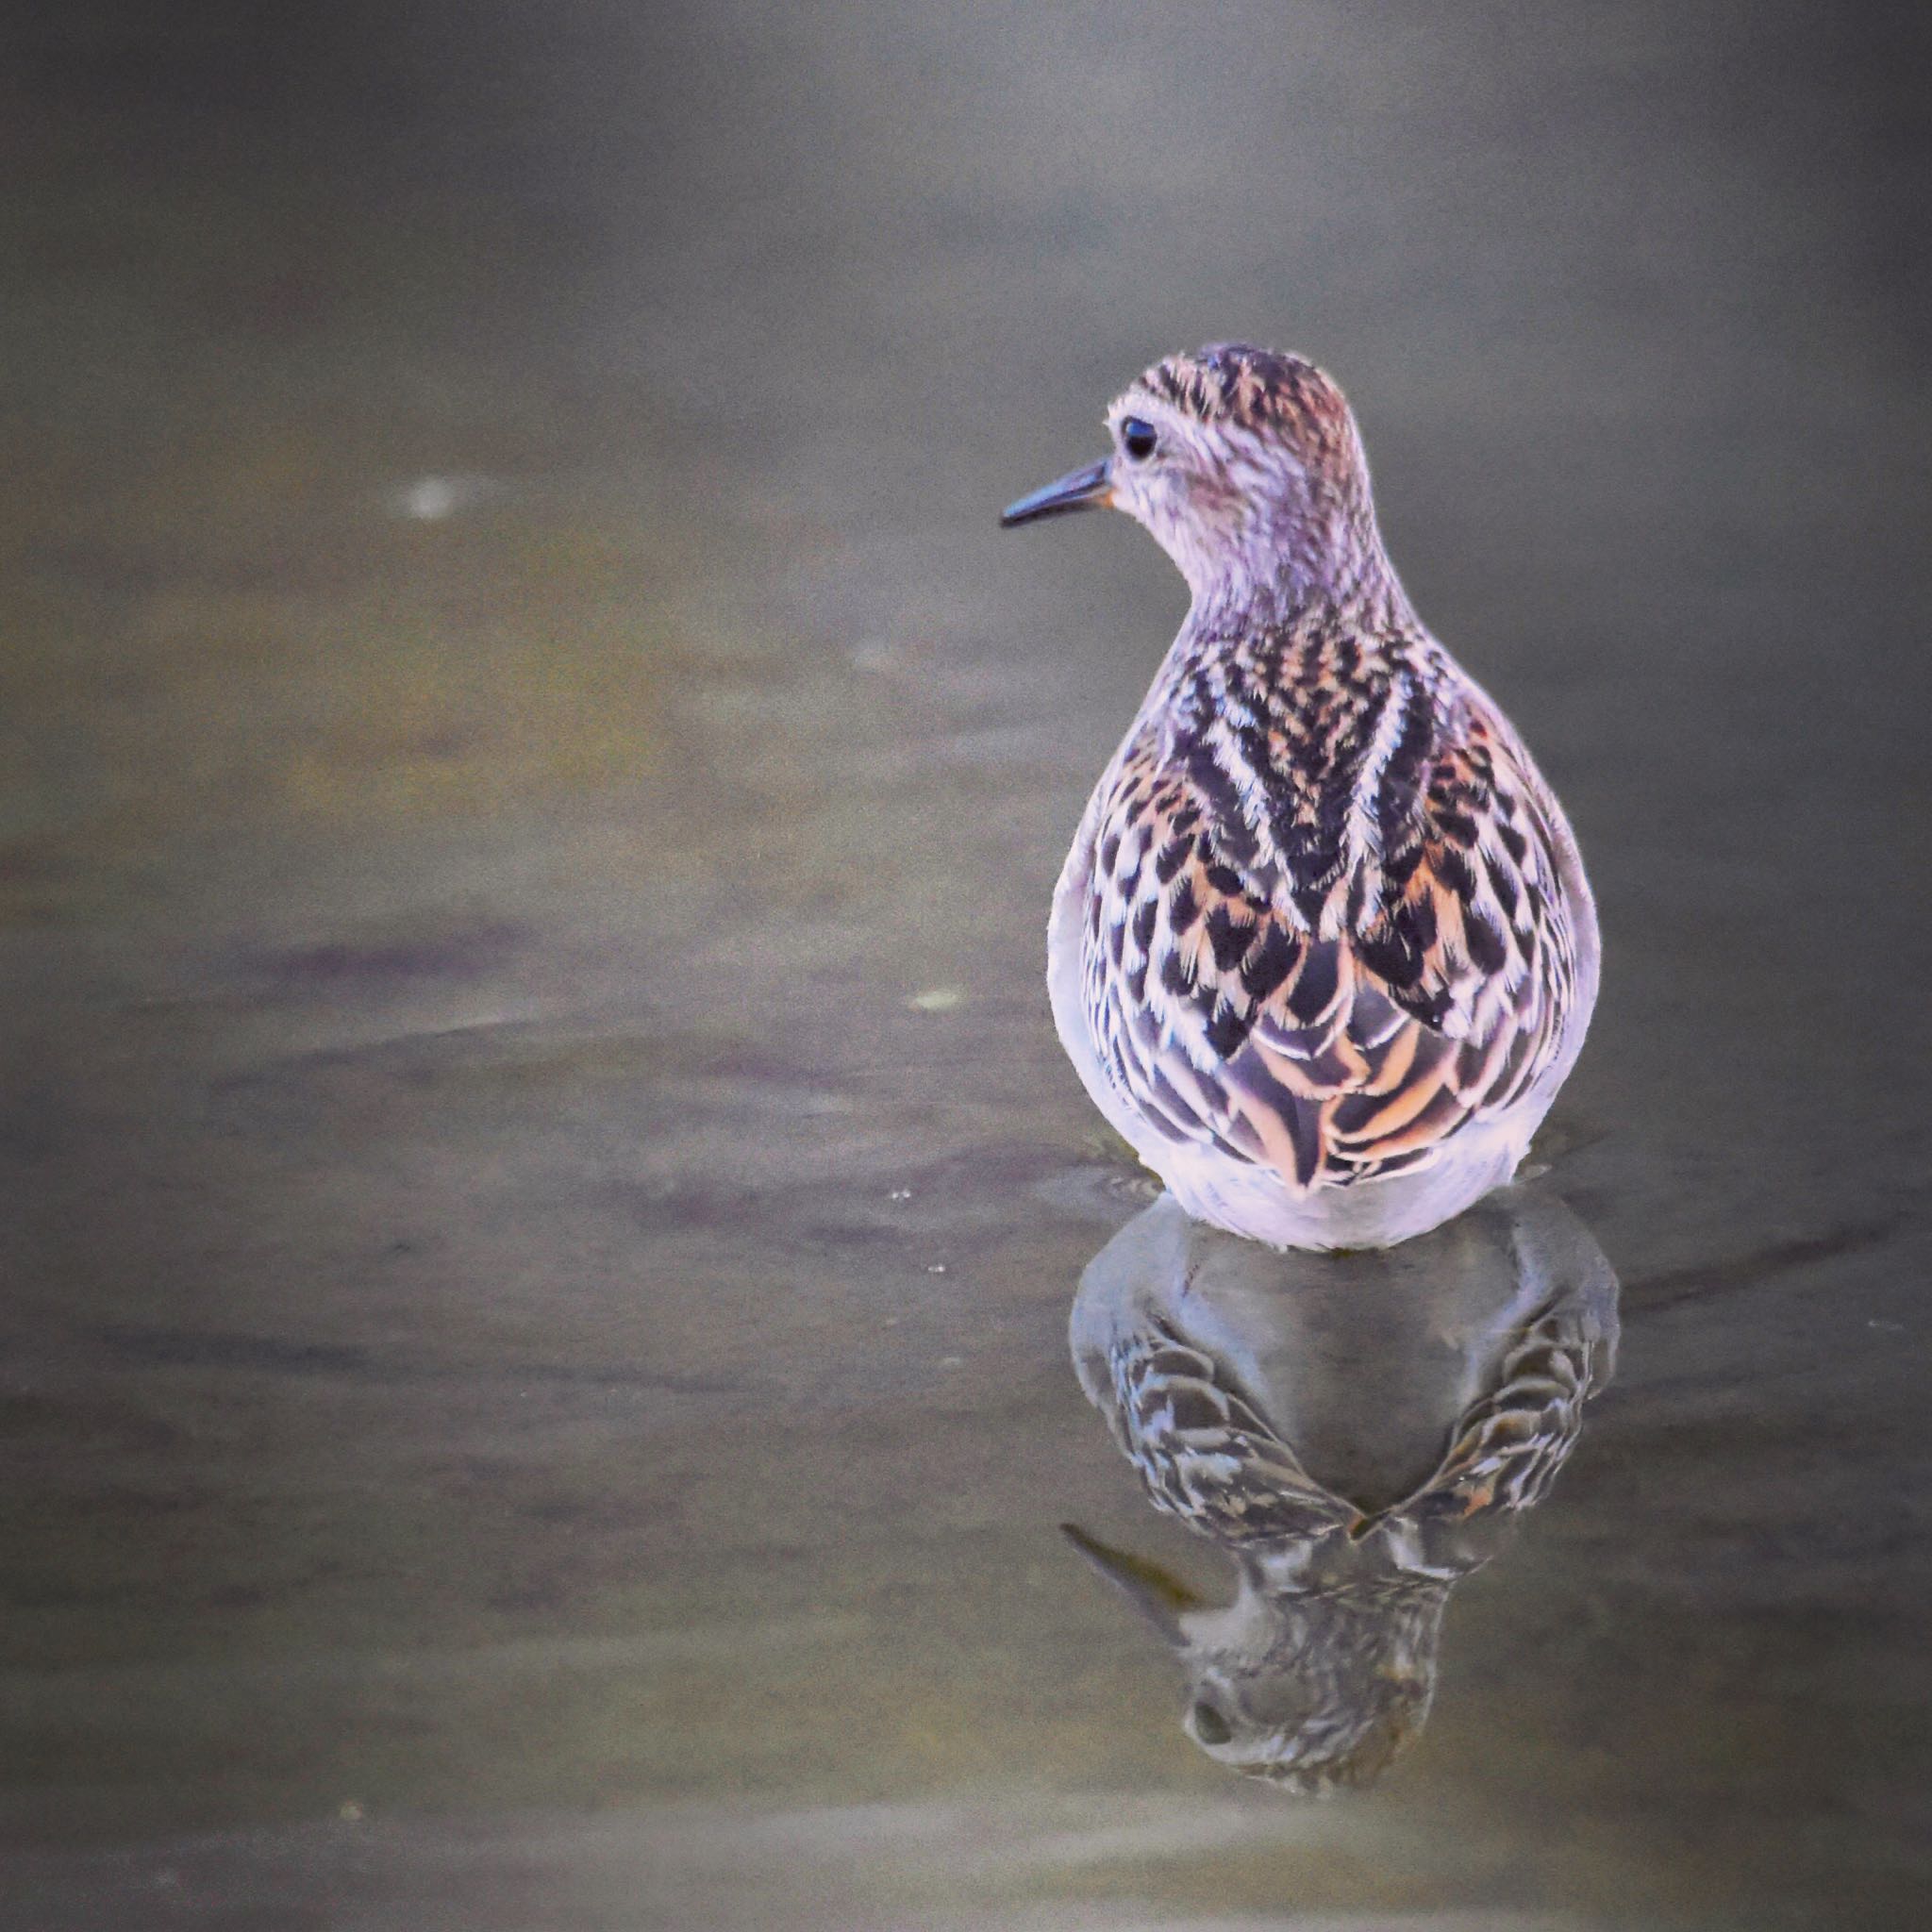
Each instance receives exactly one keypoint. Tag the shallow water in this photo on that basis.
(537, 1387)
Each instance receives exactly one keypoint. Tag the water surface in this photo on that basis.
(546, 1204)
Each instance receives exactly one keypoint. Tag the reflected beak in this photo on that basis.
(1158, 1594)
(1078, 490)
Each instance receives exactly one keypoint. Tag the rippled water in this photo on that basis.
(546, 1204)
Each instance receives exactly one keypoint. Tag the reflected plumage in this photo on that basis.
(1437, 1391)
(1323, 950)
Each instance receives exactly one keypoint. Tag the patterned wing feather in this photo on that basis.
(1511, 1442)
(1335, 980)
(1203, 1452)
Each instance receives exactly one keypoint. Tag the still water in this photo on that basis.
(546, 1215)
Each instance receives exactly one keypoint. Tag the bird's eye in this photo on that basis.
(1137, 439)
(1210, 1725)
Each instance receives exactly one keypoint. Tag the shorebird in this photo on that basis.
(1357, 1434)
(1323, 951)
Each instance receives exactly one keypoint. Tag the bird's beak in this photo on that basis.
(1077, 489)
(1159, 1595)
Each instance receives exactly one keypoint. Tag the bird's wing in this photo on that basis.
(1511, 1441)
(1204, 1453)
(1330, 1001)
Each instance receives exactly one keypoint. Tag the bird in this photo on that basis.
(1356, 1433)
(1323, 950)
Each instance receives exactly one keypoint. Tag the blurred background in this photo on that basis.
(543, 1200)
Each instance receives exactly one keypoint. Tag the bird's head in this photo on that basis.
(1314, 1693)
(1313, 1690)
(1247, 468)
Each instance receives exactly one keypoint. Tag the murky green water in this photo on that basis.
(545, 1203)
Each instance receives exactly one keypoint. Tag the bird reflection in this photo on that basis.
(1357, 1431)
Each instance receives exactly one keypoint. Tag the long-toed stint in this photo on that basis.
(1357, 1432)
(1323, 950)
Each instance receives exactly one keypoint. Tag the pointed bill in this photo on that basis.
(1156, 1592)
(1085, 489)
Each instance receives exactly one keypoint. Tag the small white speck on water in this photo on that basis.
(350, 1811)
(900, 1194)
(937, 999)
(952, 1361)
(434, 499)
(1886, 1328)
(935, 1267)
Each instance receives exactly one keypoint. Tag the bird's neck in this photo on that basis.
(1320, 567)
(1366, 599)
(1290, 630)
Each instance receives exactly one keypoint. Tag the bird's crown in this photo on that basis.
(1258, 389)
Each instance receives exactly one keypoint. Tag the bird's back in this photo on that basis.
(1324, 930)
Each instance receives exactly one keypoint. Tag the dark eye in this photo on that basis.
(1137, 439)
(1210, 1725)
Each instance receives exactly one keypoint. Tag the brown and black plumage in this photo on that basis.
(1350, 1503)
(1322, 949)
